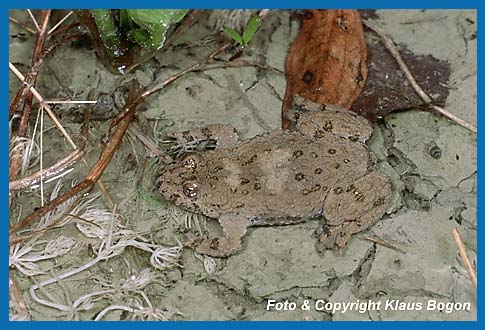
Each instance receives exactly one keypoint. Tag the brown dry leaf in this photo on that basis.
(327, 62)
(387, 88)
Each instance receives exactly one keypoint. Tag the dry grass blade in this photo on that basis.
(136, 96)
(24, 96)
(58, 167)
(195, 67)
(48, 172)
(27, 90)
(147, 141)
(33, 20)
(59, 126)
(60, 22)
(31, 76)
(22, 25)
(68, 102)
(45, 107)
(382, 242)
(464, 257)
(97, 170)
(17, 301)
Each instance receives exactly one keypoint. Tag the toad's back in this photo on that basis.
(279, 176)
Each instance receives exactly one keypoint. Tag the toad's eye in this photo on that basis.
(190, 189)
(189, 162)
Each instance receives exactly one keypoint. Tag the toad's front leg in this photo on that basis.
(201, 139)
(234, 227)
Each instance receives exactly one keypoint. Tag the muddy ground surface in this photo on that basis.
(432, 195)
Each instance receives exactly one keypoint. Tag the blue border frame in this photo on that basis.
(5, 5)
(372, 4)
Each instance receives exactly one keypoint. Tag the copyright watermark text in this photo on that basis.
(368, 305)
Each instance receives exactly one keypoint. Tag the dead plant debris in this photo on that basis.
(387, 88)
(327, 62)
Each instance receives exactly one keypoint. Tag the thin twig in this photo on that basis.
(240, 64)
(122, 122)
(59, 166)
(45, 107)
(33, 20)
(27, 86)
(381, 242)
(30, 234)
(48, 172)
(37, 56)
(22, 25)
(423, 20)
(61, 128)
(18, 301)
(160, 85)
(464, 257)
(67, 102)
(64, 29)
(452, 117)
(60, 22)
(400, 61)
(40, 212)
(30, 145)
(41, 162)
(34, 68)
(97, 170)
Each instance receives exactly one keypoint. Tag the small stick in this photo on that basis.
(15, 159)
(122, 122)
(67, 102)
(452, 117)
(33, 20)
(41, 153)
(58, 167)
(60, 22)
(464, 257)
(195, 67)
(28, 81)
(395, 53)
(64, 29)
(80, 187)
(22, 25)
(45, 107)
(18, 301)
(22, 237)
(423, 20)
(60, 127)
(241, 64)
(97, 170)
(381, 242)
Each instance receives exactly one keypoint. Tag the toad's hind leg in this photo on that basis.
(234, 228)
(353, 209)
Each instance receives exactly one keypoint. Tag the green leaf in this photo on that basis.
(250, 29)
(156, 22)
(125, 21)
(140, 36)
(107, 31)
(234, 35)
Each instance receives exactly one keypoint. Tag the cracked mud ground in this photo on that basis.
(432, 163)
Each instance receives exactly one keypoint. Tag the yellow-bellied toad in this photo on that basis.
(284, 177)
